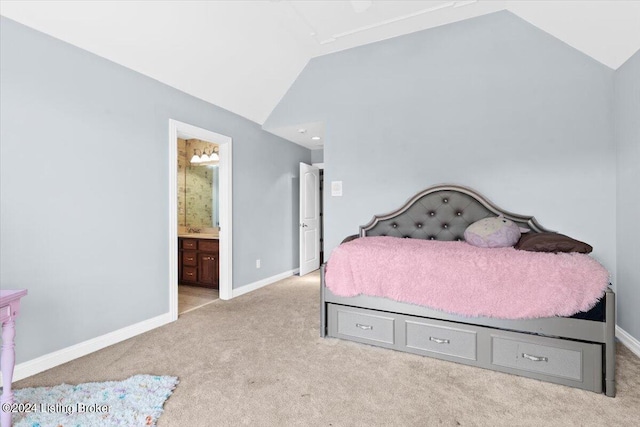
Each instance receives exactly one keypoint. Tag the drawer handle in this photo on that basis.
(439, 340)
(189, 274)
(365, 327)
(535, 358)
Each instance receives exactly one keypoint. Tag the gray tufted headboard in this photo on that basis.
(441, 212)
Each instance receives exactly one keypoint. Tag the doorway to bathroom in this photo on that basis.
(198, 223)
(215, 149)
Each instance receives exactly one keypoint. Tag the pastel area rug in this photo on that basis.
(136, 401)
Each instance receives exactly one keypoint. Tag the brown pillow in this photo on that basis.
(551, 242)
(350, 238)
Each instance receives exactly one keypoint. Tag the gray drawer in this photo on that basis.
(441, 339)
(532, 357)
(364, 324)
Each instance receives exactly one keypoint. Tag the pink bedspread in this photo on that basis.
(459, 278)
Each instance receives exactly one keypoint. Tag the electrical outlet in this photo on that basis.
(257, 263)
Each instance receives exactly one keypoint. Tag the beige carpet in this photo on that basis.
(258, 360)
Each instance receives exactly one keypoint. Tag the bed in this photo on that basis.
(576, 351)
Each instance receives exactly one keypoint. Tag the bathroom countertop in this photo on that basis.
(199, 236)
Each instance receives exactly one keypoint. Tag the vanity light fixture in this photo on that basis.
(205, 159)
(195, 158)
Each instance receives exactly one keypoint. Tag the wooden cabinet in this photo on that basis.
(208, 269)
(198, 262)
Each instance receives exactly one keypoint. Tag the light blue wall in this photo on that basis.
(627, 136)
(492, 103)
(84, 220)
(317, 156)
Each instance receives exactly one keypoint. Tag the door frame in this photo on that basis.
(179, 129)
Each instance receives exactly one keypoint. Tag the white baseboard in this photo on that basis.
(630, 342)
(51, 360)
(261, 283)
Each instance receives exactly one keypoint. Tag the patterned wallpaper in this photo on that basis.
(195, 186)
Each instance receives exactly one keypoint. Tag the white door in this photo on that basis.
(309, 218)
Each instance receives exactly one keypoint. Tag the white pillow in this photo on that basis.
(492, 232)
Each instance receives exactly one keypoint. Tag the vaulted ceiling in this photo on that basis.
(243, 56)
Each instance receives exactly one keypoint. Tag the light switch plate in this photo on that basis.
(336, 188)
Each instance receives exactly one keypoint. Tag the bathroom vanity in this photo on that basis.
(198, 256)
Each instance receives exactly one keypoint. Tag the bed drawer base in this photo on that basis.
(573, 363)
